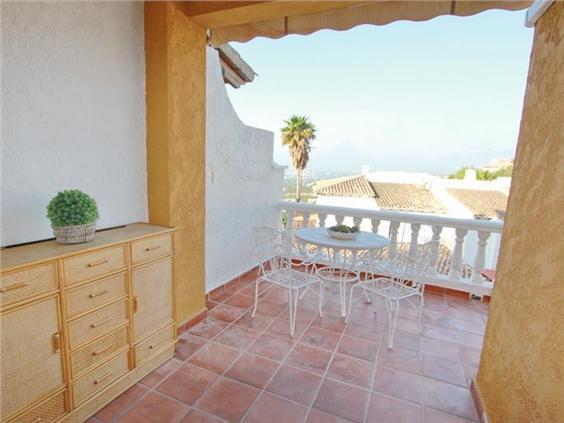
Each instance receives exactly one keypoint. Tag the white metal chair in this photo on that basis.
(408, 272)
(274, 250)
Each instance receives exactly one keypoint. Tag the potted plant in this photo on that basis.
(343, 232)
(73, 216)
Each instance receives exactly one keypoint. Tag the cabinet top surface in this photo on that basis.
(25, 255)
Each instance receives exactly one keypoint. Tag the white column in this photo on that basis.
(456, 262)
(480, 259)
(436, 241)
(393, 247)
(290, 224)
(357, 221)
(415, 228)
(305, 217)
(339, 219)
(375, 225)
(322, 218)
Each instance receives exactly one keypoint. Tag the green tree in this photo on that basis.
(483, 175)
(297, 134)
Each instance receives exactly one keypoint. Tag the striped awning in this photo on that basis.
(245, 20)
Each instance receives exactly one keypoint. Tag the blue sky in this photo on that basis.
(419, 96)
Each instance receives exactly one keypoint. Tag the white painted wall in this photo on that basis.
(242, 183)
(73, 111)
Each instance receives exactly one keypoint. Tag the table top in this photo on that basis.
(320, 237)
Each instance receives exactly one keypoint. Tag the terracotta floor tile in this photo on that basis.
(309, 358)
(388, 409)
(155, 408)
(237, 337)
(451, 371)
(342, 400)
(211, 304)
(465, 313)
(271, 347)
(260, 322)
(399, 359)
(444, 334)
(437, 320)
(304, 315)
(359, 348)
(271, 409)
(332, 323)
(197, 416)
(207, 328)
(470, 339)
(121, 403)
(228, 399)
(318, 416)
(226, 313)
(351, 370)
(371, 333)
(469, 326)
(157, 375)
(214, 357)
(440, 348)
(221, 295)
(281, 328)
(449, 398)
(471, 356)
(404, 341)
(270, 308)
(253, 370)
(435, 416)
(187, 383)
(399, 384)
(294, 384)
(408, 326)
(241, 301)
(187, 345)
(320, 338)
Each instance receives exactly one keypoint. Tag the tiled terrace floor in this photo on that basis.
(232, 368)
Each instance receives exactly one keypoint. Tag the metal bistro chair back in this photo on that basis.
(412, 268)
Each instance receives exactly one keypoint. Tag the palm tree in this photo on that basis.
(297, 134)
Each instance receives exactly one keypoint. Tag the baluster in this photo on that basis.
(393, 246)
(339, 219)
(322, 217)
(436, 242)
(480, 259)
(290, 224)
(375, 225)
(357, 221)
(456, 262)
(305, 219)
(415, 227)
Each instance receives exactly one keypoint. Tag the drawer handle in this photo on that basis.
(97, 294)
(12, 287)
(98, 381)
(57, 342)
(100, 323)
(135, 304)
(103, 350)
(97, 263)
(151, 346)
(155, 247)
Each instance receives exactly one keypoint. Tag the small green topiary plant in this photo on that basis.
(72, 207)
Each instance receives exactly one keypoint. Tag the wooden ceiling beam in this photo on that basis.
(213, 15)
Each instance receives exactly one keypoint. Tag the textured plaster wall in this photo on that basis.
(175, 51)
(73, 112)
(521, 375)
(242, 183)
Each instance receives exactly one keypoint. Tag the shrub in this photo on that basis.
(72, 207)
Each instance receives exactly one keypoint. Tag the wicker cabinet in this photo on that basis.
(82, 323)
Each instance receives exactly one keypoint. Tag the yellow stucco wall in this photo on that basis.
(521, 375)
(175, 75)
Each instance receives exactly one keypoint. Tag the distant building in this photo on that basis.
(466, 198)
(497, 164)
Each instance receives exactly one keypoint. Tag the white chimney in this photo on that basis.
(365, 170)
(470, 175)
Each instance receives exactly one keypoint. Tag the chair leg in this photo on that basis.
(420, 313)
(393, 311)
(368, 298)
(257, 283)
(293, 309)
(321, 295)
(349, 313)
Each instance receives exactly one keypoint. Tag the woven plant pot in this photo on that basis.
(74, 234)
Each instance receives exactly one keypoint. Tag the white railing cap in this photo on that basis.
(397, 216)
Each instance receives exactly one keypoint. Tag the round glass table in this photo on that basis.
(342, 256)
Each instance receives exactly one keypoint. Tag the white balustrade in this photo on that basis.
(419, 224)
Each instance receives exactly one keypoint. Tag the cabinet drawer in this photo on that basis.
(149, 248)
(92, 265)
(27, 283)
(88, 357)
(152, 345)
(98, 379)
(95, 294)
(48, 411)
(97, 323)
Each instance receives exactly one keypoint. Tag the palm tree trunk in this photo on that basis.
(299, 186)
